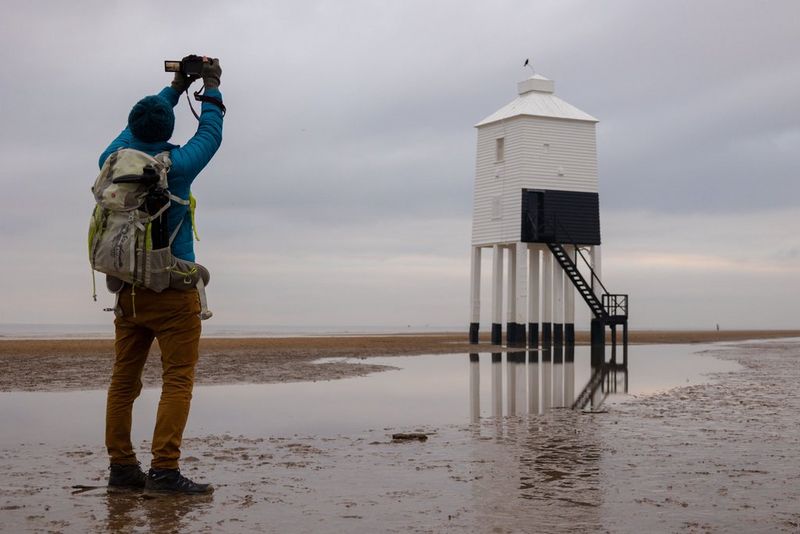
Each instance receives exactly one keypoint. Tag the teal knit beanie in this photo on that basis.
(152, 119)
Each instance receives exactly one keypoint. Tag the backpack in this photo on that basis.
(128, 236)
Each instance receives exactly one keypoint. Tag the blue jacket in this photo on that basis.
(187, 162)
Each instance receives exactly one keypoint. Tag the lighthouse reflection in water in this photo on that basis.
(534, 381)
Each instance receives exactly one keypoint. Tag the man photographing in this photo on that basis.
(170, 313)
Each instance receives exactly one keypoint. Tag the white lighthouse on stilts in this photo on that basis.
(536, 207)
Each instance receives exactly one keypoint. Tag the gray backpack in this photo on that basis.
(128, 237)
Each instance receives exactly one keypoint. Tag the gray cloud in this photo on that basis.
(349, 137)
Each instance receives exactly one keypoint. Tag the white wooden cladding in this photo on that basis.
(538, 153)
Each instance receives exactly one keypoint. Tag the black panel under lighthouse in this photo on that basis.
(567, 217)
(536, 205)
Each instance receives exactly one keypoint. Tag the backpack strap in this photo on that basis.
(94, 283)
(178, 199)
(205, 313)
(175, 232)
(156, 215)
(182, 202)
(164, 159)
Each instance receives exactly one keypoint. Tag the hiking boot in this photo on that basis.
(172, 481)
(128, 476)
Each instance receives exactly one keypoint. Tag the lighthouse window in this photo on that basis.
(500, 148)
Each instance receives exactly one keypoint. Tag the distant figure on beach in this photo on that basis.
(717, 327)
(171, 315)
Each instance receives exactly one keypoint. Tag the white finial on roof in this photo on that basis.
(537, 83)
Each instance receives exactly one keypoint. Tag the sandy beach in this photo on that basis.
(718, 455)
(74, 364)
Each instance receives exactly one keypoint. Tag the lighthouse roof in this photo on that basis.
(536, 99)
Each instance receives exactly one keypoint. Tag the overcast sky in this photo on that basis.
(342, 193)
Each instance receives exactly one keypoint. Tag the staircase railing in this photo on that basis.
(561, 227)
(613, 303)
(576, 278)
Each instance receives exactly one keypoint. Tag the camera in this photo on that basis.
(189, 66)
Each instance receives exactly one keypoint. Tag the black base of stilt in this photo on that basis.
(515, 334)
(558, 334)
(547, 354)
(497, 334)
(511, 334)
(533, 335)
(497, 357)
(613, 343)
(473, 357)
(598, 337)
(558, 353)
(474, 335)
(547, 339)
(625, 343)
(569, 334)
(533, 356)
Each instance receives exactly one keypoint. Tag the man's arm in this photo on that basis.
(190, 159)
(125, 138)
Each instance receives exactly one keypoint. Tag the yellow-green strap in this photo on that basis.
(190, 272)
(192, 207)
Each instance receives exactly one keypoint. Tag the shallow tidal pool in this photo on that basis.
(419, 390)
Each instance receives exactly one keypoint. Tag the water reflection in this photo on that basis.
(534, 382)
(497, 385)
(569, 374)
(128, 511)
(123, 509)
(558, 376)
(547, 379)
(607, 378)
(545, 469)
(511, 383)
(474, 388)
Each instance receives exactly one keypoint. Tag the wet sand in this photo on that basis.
(714, 457)
(52, 365)
(718, 457)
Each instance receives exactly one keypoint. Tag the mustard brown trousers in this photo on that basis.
(171, 317)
